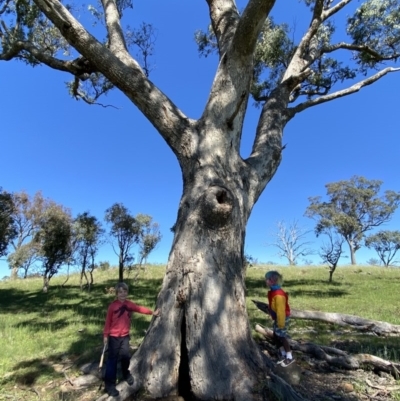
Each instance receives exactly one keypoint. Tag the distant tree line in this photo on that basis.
(352, 209)
(37, 233)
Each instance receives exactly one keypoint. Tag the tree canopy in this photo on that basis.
(353, 208)
(8, 229)
(125, 231)
(87, 237)
(55, 239)
(386, 244)
(27, 214)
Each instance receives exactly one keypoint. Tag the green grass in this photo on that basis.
(42, 334)
(368, 292)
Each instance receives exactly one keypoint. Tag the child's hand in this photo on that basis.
(157, 313)
(105, 340)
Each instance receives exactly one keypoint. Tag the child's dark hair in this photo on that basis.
(274, 276)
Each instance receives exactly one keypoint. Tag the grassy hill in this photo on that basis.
(44, 335)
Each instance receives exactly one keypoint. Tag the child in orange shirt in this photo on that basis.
(279, 311)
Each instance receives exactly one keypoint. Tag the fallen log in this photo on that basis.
(356, 322)
(338, 358)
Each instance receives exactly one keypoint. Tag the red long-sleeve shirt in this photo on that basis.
(118, 320)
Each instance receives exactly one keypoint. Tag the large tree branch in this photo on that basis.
(115, 34)
(306, 50)
(234, 74)
(267, 149)
(345, 92)
(249, 27)
(124, 72)
(224, 19)
(77, 67)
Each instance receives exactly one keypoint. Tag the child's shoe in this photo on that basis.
(280, 360)
(112, 391)
(286, 362)
(129, 379)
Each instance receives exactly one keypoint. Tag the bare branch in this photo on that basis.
(359, 48)
(331, 11)
(345, 92)
(5, 6)
(115, 34)
(79, 94)
(78, 67)
(290, 241)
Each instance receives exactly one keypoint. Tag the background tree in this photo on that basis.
(203, 290)
(386, 244)
(126, 230)
(8, 229)
(24, 258)
(87, 236)
(353, 208)
(28, 212)
(331, 251)
(373, 262)
(54, 237)
(149, 236)
(291, 241)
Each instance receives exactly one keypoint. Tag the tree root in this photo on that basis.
(339, 358)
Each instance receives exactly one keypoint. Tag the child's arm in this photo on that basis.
(142, 309)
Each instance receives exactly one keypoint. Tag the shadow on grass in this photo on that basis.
(383, 347)
(52, 313)
(27, 373)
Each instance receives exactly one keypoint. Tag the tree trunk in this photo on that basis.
(46, 282)
(120, 270)
(203, 332)
(331, 271)
(14, 273)
(352, 252)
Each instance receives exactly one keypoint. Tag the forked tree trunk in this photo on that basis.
(201, 347)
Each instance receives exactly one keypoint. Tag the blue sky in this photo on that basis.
(89, 157)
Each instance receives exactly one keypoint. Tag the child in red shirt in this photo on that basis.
(279, 311)
(116, 335)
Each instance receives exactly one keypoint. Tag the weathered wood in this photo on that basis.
(338, 358)
(356, 322)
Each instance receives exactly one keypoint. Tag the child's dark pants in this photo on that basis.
(117, 347)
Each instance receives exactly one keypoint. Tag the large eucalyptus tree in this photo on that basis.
(203, 337)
